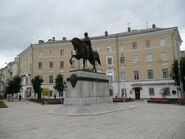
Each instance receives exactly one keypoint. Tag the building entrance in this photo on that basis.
(137, 93)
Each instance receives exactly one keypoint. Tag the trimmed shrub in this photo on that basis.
(3, 105)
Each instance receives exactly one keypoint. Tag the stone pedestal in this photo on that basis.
(84, 88)
(88, 94)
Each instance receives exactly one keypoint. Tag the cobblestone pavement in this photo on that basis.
(27, 120)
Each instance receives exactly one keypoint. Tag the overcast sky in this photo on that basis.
(23, 22)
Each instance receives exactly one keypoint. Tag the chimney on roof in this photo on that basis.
(64, 38)
(53, 38)
(153, 26)
(41, 41)
(129, 29)
(106, 33)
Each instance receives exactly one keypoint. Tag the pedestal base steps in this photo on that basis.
(90, 110)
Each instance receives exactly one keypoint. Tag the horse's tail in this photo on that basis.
(98, 58)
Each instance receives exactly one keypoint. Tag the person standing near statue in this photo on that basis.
(88, 47)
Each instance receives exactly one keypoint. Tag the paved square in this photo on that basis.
(26, 120)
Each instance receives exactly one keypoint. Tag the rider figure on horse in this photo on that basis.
(84, 50)
(88, 47)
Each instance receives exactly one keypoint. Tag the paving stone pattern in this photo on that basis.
(27, 120)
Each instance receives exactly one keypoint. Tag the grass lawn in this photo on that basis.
(3, 105)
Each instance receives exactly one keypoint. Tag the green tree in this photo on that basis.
(13, 86)
(36, 83)
(17, 84)
(165, 92)
(175, 72)
(60, 84)
(182, 71)
(9, 87)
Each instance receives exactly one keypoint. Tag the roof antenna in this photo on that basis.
(129, 26)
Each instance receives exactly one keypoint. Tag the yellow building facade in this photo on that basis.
(138, 62)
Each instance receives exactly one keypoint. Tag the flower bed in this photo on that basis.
(121, 99)
(159, 100)
(118, 99)
(47, 101)
(180, 101)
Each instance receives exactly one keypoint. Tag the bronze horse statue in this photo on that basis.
(80, 48)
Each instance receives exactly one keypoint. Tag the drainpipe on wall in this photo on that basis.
(118, 73)
(32, 70)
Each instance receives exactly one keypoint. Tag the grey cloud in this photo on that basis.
(24, 22)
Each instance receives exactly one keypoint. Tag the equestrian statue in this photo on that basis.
(84, 50)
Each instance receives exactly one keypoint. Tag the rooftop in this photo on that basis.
(107, 36)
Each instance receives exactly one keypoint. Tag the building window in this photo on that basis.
(61, 52)
(148, 44)
(109, 61)
(150, 74)
(122, 76)
(162, 42)
(134, 45)
(61, 64)
(122, 60)
(124, 92)
(40, 65)
(51, 79)
(110, 77)
(51, 53)
(165, 73)
(135, 59)
(149, 57)
(136, 75)
(109, 50)
(51, 64)
(151, 91)
(110, 74)
(164, 56)
(50, 93)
